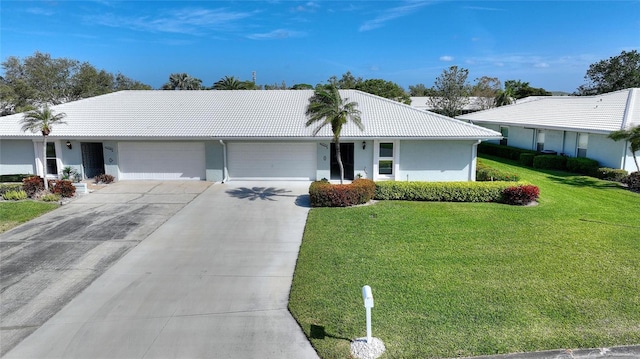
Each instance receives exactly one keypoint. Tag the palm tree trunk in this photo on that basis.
(339, 159)
(635, 159)
(44, 162)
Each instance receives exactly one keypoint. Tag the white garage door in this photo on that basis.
(161, 160)
(275, 161)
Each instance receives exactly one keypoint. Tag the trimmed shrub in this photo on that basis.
(512, 153)
(71, 174)
(611, 174)
(50, 197)
(585, 166)
(526, 159)
(63, 187)
(442, 191)
(550, 162)
(33, 185)
(14, 195)
(520, 195)
(6, 187)
(103, 178)
(325, 194)
(633, 181)
(486, 173)
(14, 178)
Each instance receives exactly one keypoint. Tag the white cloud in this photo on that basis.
(446, 58)
(541, 65)
(392, 14)
(276, 34)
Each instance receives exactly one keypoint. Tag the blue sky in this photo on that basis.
(549, 44)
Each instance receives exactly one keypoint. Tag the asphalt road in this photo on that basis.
(46, 262)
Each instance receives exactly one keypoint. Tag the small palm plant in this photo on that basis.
(633, 136)
(326, 107)
(42, 120)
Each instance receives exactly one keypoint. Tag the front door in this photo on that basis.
(92, 159)
(346, 153)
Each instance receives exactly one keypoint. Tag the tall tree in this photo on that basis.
(229, 83)
(346, 82)
(504, 97)
(326, 107)
(632, 135)
(386, 89)
(485, 91)
(182, 81)
(42, 120)
(520, 89)
(616, 73)
(452, 92)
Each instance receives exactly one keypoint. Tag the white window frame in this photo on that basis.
(585, 148)
(37, 147)
(505, 140)
(395, 167)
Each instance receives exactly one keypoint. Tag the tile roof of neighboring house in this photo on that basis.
(599, 114)
(237, 114)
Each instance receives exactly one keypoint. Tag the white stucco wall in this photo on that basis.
(521, 137)
(436, 161)
(554, 140)
(363, 159)
(17, 157)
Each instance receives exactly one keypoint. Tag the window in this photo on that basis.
(583, 141)
(385, 162)
(540, 141)
(505, 134)
(52, 166)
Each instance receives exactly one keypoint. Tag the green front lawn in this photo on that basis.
(461, 279)
(15, 213)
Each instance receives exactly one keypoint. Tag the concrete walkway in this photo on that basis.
(212, 281)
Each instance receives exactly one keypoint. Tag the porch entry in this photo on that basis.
(347, 154)
(92, 159)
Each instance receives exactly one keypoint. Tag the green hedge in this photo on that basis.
(325, 194)
(611, 174)
(486, 173)
(509, 152)
(585, 166)
(443, 191)
(550, 162)
(526, 159)
(14, 178)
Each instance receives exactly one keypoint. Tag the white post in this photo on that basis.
(367, 296)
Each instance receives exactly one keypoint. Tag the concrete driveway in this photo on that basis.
(46, 262)
(212, 281)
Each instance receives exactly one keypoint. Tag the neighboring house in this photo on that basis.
(576, 126)
(473, 104)
(222, 135)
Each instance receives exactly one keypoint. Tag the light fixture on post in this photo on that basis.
(69, 146)
(364, 145)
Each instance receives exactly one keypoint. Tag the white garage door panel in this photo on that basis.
(161, 160)
(285, 161)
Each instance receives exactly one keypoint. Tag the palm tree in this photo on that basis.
(326, 107)
(229, 83)
(632, 135)
(182, 81)
(42, 120)
(503, 98)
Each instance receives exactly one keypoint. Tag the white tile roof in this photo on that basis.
(599, 114)
(236, 114)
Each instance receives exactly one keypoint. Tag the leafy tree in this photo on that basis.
(229, 83)
(302, 87)
(182, 81)
(520, 89)
(42, 120)
(504, 97)
(386, 89)
(346, 82)
(326, 107)
(39, 80)
(452, 92)
(632, 135)
(276, 86)
(616, 73)
(420, 90)
(485, 91)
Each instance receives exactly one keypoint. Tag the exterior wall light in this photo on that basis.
(69, 146)
(364, 145)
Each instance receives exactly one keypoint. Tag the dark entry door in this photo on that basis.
(92, 159)
(346, 153)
